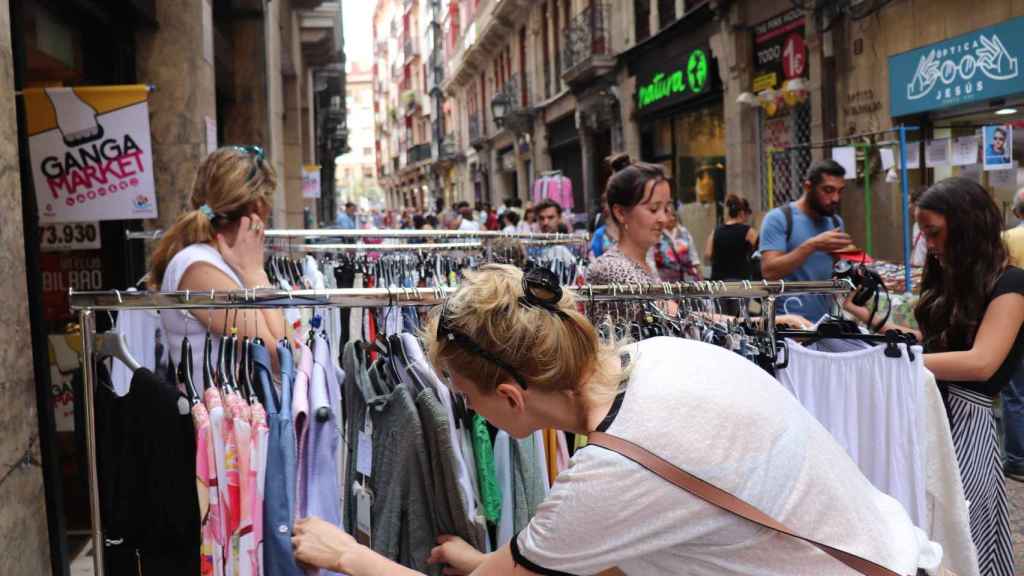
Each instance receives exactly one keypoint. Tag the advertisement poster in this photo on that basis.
(780, 52)
(310, 180)
(998, 146)
(91, 154)
(913, 155)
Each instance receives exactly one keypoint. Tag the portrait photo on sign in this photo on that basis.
(998, 143)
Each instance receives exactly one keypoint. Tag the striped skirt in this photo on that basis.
(973, 425)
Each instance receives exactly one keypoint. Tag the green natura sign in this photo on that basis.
(689, 80)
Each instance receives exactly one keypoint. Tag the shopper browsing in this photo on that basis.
(639, 201)
(799, 239)
(971, 315)
(218, 245)
(522, 355)
(549, 218)
(1013, 393)
(729, 247)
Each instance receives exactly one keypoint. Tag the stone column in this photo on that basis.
(732, 48)
(23, 533)
(172, 57)
(291, 75)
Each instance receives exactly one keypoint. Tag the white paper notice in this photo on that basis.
(971, 172)
(1003, 179)
(846, 156)
(211, 134)
(888, 158)
(965, 151)
(936, 153)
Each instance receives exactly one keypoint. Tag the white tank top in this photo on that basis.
(178, 323)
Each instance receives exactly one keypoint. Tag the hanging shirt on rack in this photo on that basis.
(300, 418)
(870, 404)
(279, 490)
(322, 492)
(148, 504)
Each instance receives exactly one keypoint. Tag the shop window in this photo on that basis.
(700, 155)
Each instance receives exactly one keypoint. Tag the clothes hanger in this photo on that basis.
(185, 367)
(209, 372)
(113, 344)
(245, 366)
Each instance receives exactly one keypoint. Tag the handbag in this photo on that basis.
(717, 497)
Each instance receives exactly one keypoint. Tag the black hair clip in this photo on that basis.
(541, 288)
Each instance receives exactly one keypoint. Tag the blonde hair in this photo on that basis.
(551, 351)
(230, 182)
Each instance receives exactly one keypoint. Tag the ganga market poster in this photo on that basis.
(91, 153)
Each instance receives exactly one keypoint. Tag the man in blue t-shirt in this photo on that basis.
(798, 239)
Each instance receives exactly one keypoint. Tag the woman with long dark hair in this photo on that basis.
(971, 314)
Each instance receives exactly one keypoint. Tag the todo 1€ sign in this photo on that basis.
(972, 67)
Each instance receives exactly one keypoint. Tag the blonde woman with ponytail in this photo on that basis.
(523, 357)
(218, 245)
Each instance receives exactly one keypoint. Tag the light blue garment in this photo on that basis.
(345, 222)
(323, 492)
(818, 265)
(279, 489)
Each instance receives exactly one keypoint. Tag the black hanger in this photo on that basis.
(245, 369)
(209, 373)
(185, 372)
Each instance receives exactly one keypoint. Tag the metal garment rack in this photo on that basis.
(361, 247)
(88, 303)
(556, 238)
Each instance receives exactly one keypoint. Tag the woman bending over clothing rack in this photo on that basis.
(219, 245)
(523, 357)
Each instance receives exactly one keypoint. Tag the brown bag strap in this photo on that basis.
(716, 496)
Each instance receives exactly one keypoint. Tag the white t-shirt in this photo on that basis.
(178, 323)
(720, 417)
(469, 225)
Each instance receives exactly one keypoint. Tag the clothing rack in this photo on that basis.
(361, 247)
(86, 304)
(424, 234)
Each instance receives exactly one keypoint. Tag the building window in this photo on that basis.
(642, 17)
(546, 51)
(666, 12)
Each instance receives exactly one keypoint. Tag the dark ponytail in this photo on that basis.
(617, 162)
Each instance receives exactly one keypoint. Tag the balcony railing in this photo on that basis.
(449, 148)
(587, 36)
(418, 153)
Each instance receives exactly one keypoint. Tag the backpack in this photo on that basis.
(788, 213)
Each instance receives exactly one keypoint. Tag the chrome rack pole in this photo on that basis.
(87, 322)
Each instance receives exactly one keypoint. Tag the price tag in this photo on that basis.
(364, 503)
(71, 236)
(364, 457)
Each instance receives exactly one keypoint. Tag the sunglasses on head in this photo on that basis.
(258, 157)
(541, 289)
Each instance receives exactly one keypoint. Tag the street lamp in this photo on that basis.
(500, 106)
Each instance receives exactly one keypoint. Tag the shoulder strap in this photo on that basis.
(716, 496)
(787, 210)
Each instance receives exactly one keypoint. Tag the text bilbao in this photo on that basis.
(93, 170)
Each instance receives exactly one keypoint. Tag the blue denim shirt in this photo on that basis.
(279, 487)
